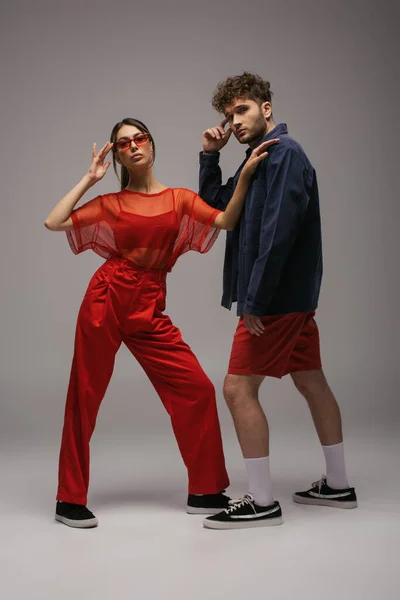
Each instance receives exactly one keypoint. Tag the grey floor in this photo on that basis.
(146, 546)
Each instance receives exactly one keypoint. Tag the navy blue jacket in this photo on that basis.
(273, 258)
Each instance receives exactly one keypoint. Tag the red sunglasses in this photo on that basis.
(139, 139)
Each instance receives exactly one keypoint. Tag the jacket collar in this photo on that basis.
(275, 132)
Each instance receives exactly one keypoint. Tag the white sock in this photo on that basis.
(260, 485)
(336, 476)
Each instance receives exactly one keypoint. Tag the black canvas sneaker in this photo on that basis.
(207, 504)
(75, 515)
(245, 513)
(320, 493)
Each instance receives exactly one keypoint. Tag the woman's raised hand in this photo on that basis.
(98, 168)
(256, 157)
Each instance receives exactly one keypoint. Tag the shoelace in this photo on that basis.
(235, 504)
(319, 483)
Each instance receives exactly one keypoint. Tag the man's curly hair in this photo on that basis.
(247, 85)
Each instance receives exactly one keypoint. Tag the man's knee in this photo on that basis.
(240, 389)
(232, 389)
(309, 383)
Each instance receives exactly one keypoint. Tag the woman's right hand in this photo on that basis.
(99, 168)
(60, 217)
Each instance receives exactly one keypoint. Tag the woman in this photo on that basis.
(141, 231)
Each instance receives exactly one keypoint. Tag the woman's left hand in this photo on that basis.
(256, 157)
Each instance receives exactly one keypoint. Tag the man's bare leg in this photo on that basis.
(241, 395)
(322, 404)
(257, 508)
(328, 423)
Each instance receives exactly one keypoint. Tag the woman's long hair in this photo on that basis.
(124, 176)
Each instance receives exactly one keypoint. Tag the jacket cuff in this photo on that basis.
(254, 312)
(209, 159)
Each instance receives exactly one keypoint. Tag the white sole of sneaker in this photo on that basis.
(88, 524)
(191, 510)
(324, 502)
(242, 525)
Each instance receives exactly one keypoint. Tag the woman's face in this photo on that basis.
(133, 148)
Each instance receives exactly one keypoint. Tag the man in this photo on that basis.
(273, 270)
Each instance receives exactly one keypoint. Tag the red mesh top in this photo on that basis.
(152, 230)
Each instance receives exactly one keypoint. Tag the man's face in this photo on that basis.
(247, 120)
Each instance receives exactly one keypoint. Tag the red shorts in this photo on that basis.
(289, 343)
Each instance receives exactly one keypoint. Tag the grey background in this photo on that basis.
(69, 72)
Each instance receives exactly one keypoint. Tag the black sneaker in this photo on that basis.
(320, 493)
(245, 513)
(75, 515)
(207, 504)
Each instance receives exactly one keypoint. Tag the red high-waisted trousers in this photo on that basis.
(124, 303)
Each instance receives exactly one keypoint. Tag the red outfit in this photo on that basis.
(289, 343)
(141, 235)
